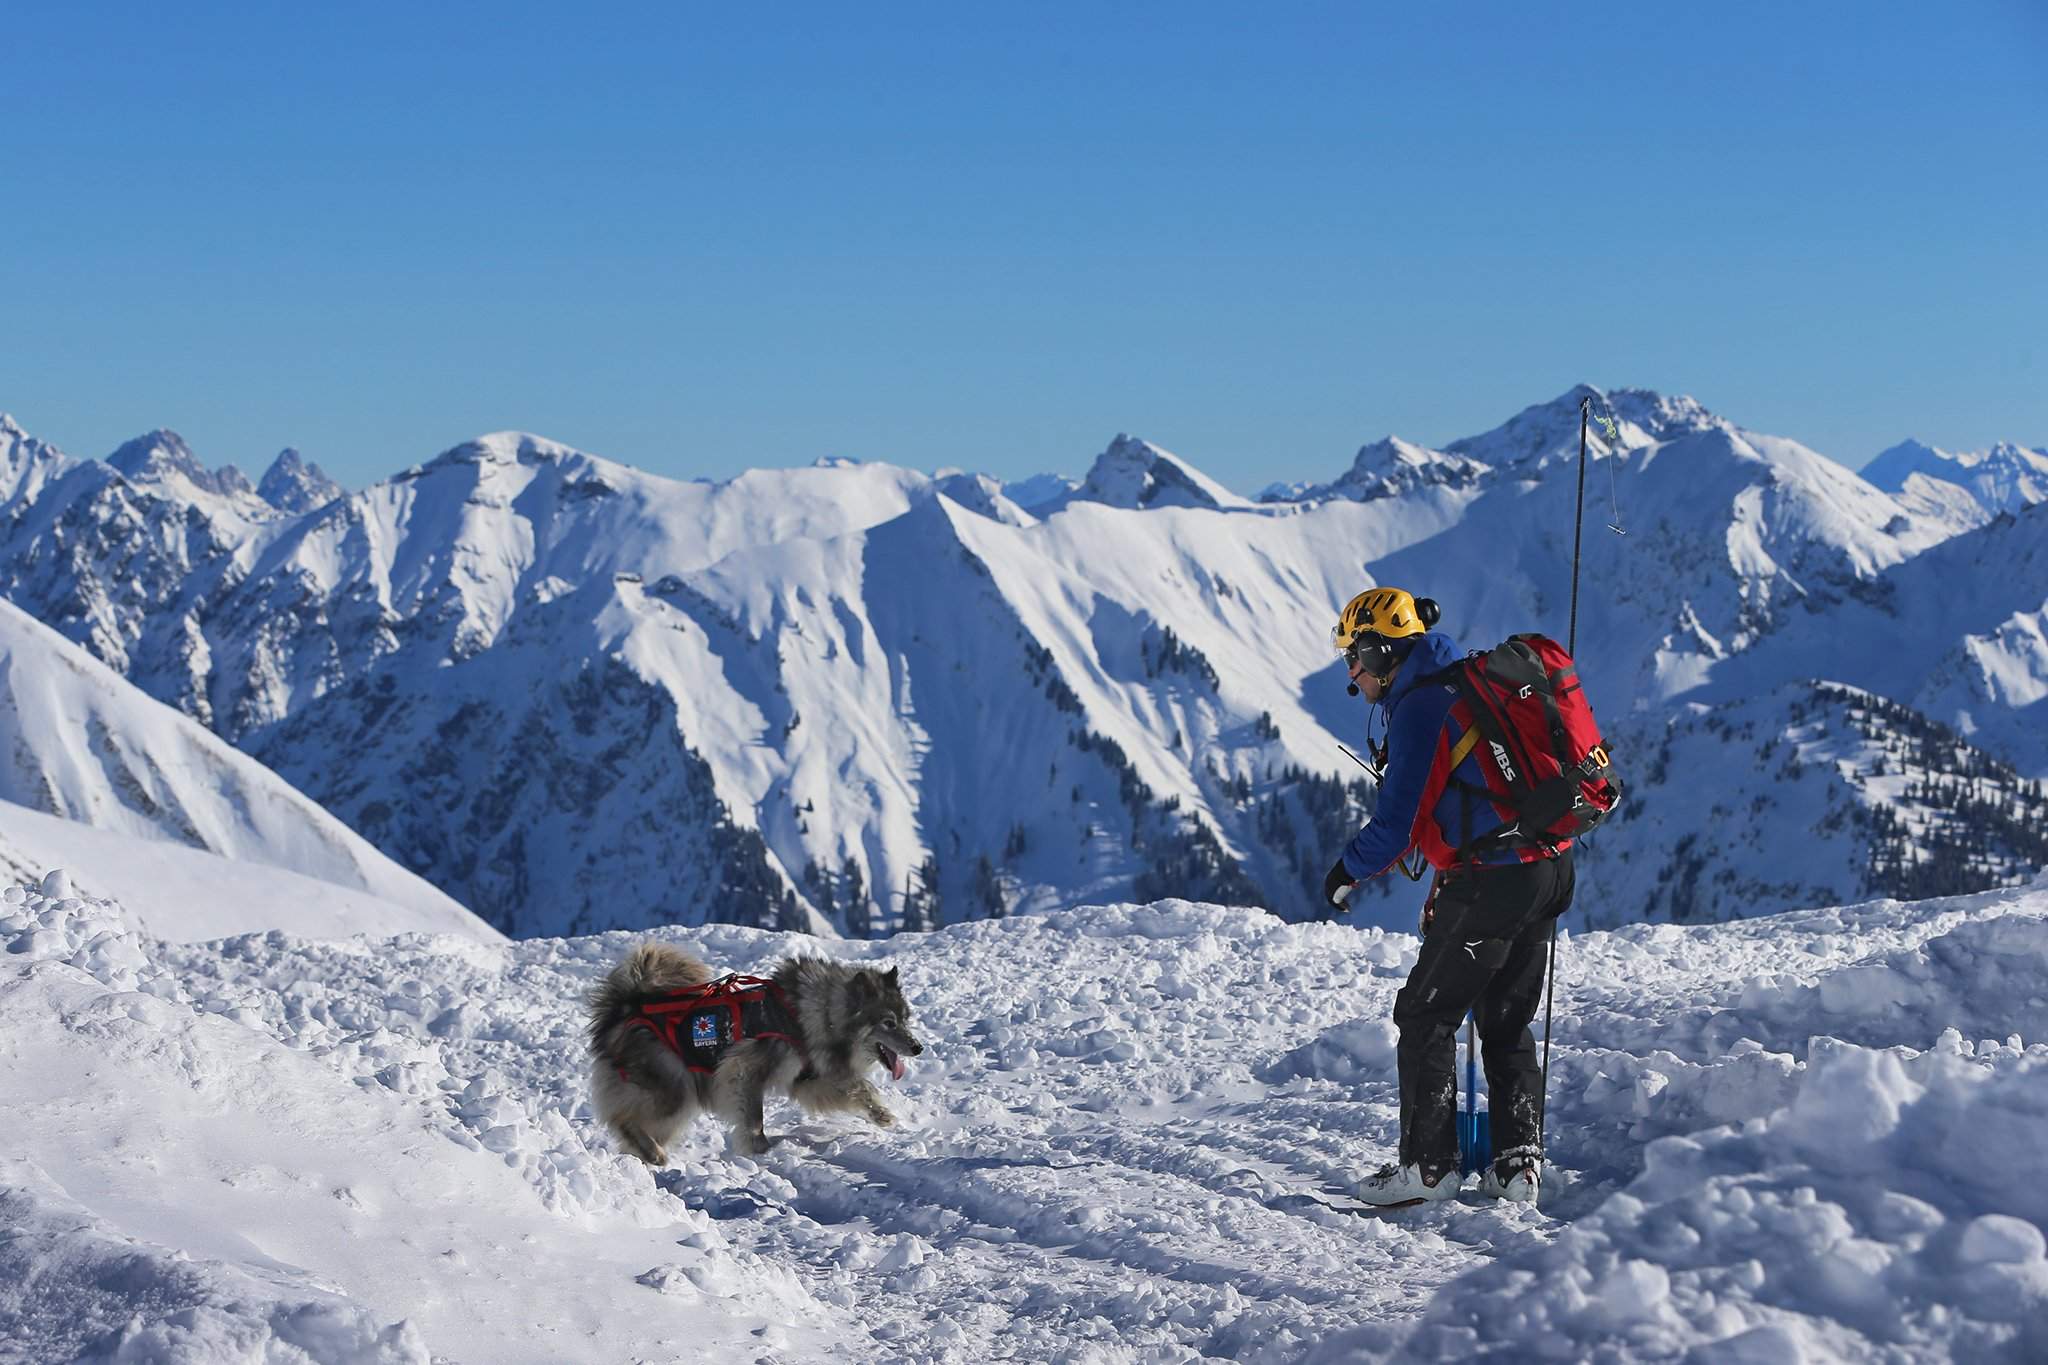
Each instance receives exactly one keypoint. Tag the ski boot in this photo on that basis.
(1398, 1187)
(1514, 1176)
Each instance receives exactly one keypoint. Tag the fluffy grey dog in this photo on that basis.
(844, 1019)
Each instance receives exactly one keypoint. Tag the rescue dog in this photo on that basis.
(841, 1020)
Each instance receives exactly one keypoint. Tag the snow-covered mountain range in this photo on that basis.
(854, 694)
(1974, 485)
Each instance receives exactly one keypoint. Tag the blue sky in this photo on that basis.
(697, 239)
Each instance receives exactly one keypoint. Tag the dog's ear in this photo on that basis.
(891, 999)
(861, 989)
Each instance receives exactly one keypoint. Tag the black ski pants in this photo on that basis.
(1485, 951)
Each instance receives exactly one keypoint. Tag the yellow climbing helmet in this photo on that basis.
(1388, 613)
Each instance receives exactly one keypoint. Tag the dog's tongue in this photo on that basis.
(896, 1067)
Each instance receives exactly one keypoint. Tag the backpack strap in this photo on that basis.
(1467, 742)
(1463, 748)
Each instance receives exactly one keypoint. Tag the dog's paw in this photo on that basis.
(644, 1147)
(752, 1144)
(882, 1117)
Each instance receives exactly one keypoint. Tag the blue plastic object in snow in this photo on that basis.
(1475, 1126)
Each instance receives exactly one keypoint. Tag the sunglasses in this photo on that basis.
(1372, 653)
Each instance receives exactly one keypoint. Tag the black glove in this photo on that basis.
(1339, 878)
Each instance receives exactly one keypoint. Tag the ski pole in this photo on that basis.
(1571, 641)
(1571, 647)
(1472, 1073)
(1476, 1130)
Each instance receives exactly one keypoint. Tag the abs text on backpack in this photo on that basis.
(1548, 777)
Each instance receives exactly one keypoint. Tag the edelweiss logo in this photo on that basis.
(1500, 756)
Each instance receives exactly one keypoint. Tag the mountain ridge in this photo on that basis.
(85, 745)
(840, 675)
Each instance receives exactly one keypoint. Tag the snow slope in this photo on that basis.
(1765, 803)
(81, 742)
(1959, 633)
(1794, 1138)
(195, 895)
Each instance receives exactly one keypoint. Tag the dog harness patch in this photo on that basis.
(704, 1030)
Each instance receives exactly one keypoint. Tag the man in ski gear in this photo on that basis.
(1485, 919)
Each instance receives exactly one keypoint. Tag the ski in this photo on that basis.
(1340, 1203)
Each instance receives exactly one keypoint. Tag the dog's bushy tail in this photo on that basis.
(651, 969)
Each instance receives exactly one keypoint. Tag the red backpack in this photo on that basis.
(1548, 775)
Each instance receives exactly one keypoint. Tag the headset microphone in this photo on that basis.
(1352, 688)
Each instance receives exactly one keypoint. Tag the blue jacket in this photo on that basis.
(1416, 717)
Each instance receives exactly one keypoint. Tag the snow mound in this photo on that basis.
(47, 923)
(1362, 1049)
(202, 1168)
(1983, 978)
(1892, 1211)
(71, 1289)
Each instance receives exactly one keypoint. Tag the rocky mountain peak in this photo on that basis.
(505, 448)
(1544, 432)
(1661, 415)
(2004, 478)
(161, 455)
(1136, 473)
(295, 484)
(25, 462)
(1391, 466)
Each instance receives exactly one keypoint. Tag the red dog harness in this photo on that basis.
(701, 1023)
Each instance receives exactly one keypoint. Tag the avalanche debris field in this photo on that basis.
(1812, 1136)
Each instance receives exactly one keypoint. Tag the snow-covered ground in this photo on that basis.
(1814, 1136)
